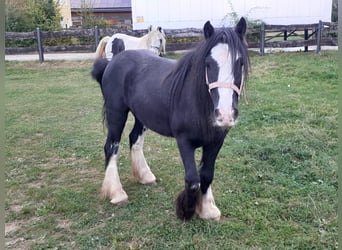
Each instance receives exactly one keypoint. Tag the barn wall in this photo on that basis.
(288, 12)
(176, 14)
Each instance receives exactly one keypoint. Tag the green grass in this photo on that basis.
(275, 180)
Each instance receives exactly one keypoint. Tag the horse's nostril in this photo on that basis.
(217, 113)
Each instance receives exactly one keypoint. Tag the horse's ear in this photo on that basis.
(208, 30)
(241, 28)
(159, 29)
(149, 28)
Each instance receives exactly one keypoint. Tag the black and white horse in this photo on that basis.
(154, 40)
(194, 100)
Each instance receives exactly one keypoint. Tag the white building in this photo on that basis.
(175, 14)
(65, 11)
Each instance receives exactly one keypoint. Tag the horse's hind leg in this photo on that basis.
(140, 169)
(111, 186)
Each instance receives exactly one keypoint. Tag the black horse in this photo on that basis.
(194, 100)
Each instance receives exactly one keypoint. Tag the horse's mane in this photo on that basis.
(190, 69)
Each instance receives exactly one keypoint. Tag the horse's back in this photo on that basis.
(130, 43)
(137, 78)
(138, 70)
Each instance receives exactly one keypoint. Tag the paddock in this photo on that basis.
(275, 178)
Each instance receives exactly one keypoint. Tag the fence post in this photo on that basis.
(306, 37)
(262, 39)
(40, 46)
(319, 36)
(96, 31)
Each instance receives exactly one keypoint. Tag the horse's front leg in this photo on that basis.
(206, 208)
(187, 199)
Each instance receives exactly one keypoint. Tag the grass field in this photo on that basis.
(275, 181)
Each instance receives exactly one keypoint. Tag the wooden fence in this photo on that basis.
(318, 34)
(301, 35)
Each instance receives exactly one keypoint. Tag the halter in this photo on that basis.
(214, 85)
(156, 47)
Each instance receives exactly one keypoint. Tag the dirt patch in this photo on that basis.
(63, 224)
(11, 227)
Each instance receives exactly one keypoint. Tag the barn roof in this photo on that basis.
(102, 5)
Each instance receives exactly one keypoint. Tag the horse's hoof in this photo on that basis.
(212, 213)
(148, 179)
(217, 218)
(119, 202)
(117, 198)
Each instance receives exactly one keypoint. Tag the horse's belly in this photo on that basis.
(153, 114)
(159, 128)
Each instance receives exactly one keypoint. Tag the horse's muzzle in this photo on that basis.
(225, 119)
(155, 50)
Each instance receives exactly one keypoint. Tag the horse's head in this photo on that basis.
(156, 40)
(226, 64)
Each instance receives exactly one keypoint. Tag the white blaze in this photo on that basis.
(220, 53)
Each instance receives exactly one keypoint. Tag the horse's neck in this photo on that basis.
(144, 42)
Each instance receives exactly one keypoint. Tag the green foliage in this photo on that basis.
(17, 23)
(45, 15)
(39, 13)
(88, 19)
(235, 17)
(89, 22)
(252, 24)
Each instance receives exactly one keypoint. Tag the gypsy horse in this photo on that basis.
(194, 100)
(154, 40)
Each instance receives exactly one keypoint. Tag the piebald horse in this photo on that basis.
(194, 100)
(154, 40)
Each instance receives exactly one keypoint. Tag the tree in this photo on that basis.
(15, 17)
(89, 20)
(44, 14)
(26, 15)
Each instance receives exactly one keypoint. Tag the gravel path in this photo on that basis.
(53, 56)
(86, 56)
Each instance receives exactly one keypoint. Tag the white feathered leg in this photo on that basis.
(141, 171)
(111, 186)
(206, 208)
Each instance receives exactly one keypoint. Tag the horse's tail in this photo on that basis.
(100, 50)
(99, 67)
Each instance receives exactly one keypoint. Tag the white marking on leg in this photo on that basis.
(111, 186)
(141, 171)
(206, 208)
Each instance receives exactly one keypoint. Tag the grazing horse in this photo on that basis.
(194, 100)
(154, 40)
